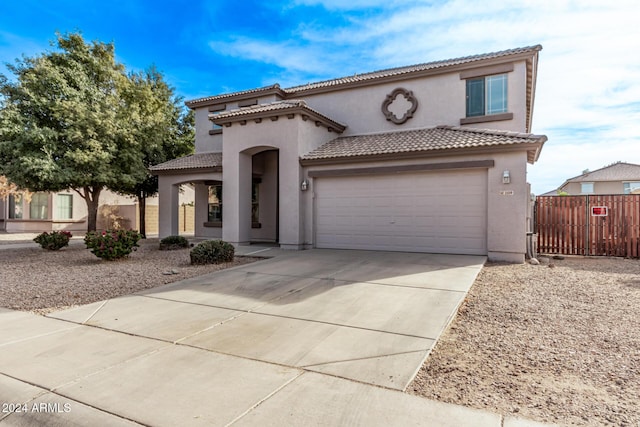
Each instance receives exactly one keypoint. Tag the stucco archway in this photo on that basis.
(251, 196)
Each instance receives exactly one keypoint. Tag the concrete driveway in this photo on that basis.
(318, 337)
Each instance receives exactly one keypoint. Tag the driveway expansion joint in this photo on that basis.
(356, 359)
(75, 325)
(273, 393)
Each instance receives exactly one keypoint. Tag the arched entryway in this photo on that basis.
(251, 197)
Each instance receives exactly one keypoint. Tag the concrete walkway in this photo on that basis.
(309, 338)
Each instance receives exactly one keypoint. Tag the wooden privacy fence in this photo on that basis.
(577, 225)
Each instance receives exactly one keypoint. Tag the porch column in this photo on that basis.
(168, 202)
(236, 198)
(290, 210)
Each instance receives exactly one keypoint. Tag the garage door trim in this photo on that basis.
(471, 164)
(481, 248)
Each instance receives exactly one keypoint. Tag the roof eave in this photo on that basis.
(526, 55)
(534, 154)
(236, 96)
(305, 112)
(374, 80)
(181, 171)
(532, 149)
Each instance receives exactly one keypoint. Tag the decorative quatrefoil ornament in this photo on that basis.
(398, 110)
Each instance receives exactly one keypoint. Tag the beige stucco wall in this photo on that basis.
(170, 199)
(241, 142)
(602, 187)
(441, 101)
(507, 214)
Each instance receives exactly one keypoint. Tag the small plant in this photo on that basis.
(112, 244)
(212, 252)
(54, 240)
(170, 243)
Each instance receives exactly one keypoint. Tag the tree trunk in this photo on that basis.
(92, 197)
(142, 206)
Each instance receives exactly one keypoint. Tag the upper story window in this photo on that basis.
(213, 110)
(586, 188)
(631, 187)
(214, 127)
(487, 95)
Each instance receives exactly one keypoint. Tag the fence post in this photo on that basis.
(587, 240)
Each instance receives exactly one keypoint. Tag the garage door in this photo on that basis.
(440, 212)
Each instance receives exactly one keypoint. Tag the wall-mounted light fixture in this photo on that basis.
(506, 177)
(304, 186)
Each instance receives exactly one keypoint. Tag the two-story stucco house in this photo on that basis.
(396, 160)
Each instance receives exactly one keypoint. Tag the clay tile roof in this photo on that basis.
(273, 109)
(412, 69)
(423, 140)
(274, 88)
(620, 171)
(382, 74)
(194, 161)
(262, 108)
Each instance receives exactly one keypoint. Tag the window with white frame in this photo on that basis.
(631, 187)
(39, 206)
(64, 206)
(487, 95)
(586, 187)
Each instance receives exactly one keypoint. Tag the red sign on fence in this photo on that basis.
(599, 211)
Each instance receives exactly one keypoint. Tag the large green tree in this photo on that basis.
(161, 127)
(73, 119)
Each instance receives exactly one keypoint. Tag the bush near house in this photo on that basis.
(112, 244)
(212, 252)
(53, 241)
(170, 243)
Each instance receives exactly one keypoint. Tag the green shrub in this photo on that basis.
(54, 240)
(170, 243)
(112, 244)
(212, 252)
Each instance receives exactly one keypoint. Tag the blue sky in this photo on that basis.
(588, 90)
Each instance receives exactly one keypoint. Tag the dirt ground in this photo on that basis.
(33, 279)
(557, 342)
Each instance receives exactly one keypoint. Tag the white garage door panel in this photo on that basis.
(426, 212)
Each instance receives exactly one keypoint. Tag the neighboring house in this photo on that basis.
(397, 160)
(67, 210)
(617, 178)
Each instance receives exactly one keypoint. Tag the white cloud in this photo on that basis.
(286, 55)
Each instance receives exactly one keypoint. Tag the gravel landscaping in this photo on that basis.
(40, 281)
(557, 342)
